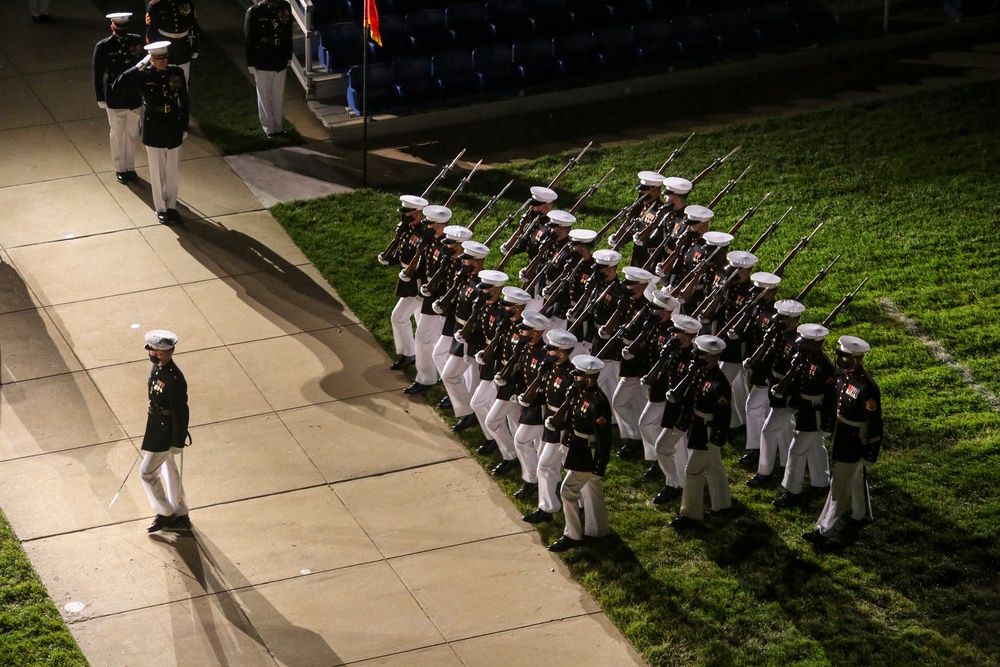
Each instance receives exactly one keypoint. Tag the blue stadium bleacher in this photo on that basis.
(415, 86)
(535, 62)
(339, 46)
(509, 20)
(467, 22)
(616, 51)
(335, 11)
(427, 31)
(381, 93)
(551, 17)
(659, 48)
(395, 42)
(494, 67)
(589, 15)
(454, 76)
(577, 56)
(737, 35)
(700, 45)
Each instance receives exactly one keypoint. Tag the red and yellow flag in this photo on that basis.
(371, 21)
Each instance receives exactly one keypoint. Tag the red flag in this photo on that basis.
(371, 21)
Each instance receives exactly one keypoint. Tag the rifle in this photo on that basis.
(411, 269)
(737, 324)
(713, 302)
(391, 253)
(503, 376)
(803, 242)
(489, 353)
(461, 184)
(536, 268)
(749, 214)
(673, 155)
(816, 280)
(447, 300)
(617, 238)
(644, 234)
(767, 232)
(530, 393)
(653, 376)
(729, 188)
(689, 281)
(666, 267)
(636, 321)
(640, 341)
(493, 200)
(590, 192)
(569, 165)
(678, 393)
(444, 170)
(557, 420)
(716, 163)
(552, 292)
(586, 302)
(843, 303)
(470, 324)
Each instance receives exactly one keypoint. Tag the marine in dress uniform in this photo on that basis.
(112, 56)
(175, 21)
(268, 31)
(413, 230)
(689, 242)
(599, 301)
(535, 223)
(551, 253)
(857, 440)
(164, 122)
(649, 217)
(166, 432)
(586, 435)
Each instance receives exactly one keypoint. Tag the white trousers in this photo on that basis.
(589, 488)
(270, 99)
(627, 403)
(607, 381)
(528, 444)
(735, 373)
(456, 382)
(756, 412)
(163, 176)
(428, 334)
(407, 310)
(649, 428)
(672, 455)
(847, 485)
(550, 460)
(162, 482)
(775, 438)
(705, 466)
(442, 350)
(123, 137)
(38, 7)
(806, 450)
(483, 398)
(501, 423)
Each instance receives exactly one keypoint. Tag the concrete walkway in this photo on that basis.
(336, 520)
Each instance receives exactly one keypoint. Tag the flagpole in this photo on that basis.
(364, 97)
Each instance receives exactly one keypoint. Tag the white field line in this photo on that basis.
(938, 350)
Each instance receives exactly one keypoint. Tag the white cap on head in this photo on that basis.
(789, 307)
(475, 249)
(411, 202)
(686, 323)
(663, 299)
(650, 178)
(812, 331)
(607, 257)
(585, 236)
(437, 214)
(119, 18)
(515, 295)
(491, 277)
(853, 345)
(679, 186)
(718, 238)
(765, 280)
(638, 275)
(458, 233)
(710, 344)
(696, 213)
(532, 319)
(158, 48)
(160, 339)
(741, 259)
(586, 364)
(543, 195)
(561, 339)
(561, 218)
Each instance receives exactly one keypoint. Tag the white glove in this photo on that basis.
(521, 274)
(636, 240)
(382, 260)
(825, 434)
(402, 276)
(479, 358)
(103, 105)
(522, 402)
(184, 136)
(194, 56)
(144, 63)
(253, 70)
(436, 307)
(549, 425)
(458, 336)
(499, 380)
(424, 291)
(867, 464)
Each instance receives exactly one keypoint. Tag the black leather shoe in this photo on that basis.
(174, 216)
(132, 176)
(759, 480)
(683, 522)
(630, 448)
(527, 490)
(564, 543)
(488, 447)
(505, 466)
(181, 522)
(122, 177)
(751, 458)
(538, 516)
(653, 472)
(159, 523)
(815, 537)
(788, 499)
(163, 217)
(468, 421)
(445, 403)
(667, 494)
(417, 388)
(402, 361)
(723, 512)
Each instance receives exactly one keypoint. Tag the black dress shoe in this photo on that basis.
(163, 217)
(417, 388)
(488, 447)
(538, 516)
(723, 512)
(759, 480)
(505, 466)
(159, 523)
(630, 448)
(683, 522)
(667, 494)
(527, 490)
(37, 19)
(815, 537)
(181, 522)
(132, 176)
(122, 177)
(564, 543)
(468, 421)
(788, 499)
(402, 361)
(445, 403)
(751, 458)
(174, 216)
(46, 18)
(653, 472)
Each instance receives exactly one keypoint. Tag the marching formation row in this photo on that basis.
(684, 350)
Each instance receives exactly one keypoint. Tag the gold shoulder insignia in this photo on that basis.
(871, 405)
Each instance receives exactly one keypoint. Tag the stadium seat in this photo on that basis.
(615, 50)
(428, 31)
(509, 20)
(658, 47)
(412, 78)
(467, 22)
(494, 67)
(381, 93)
(815, 23)
(737, 34)
(535, 63)
(551, 17)
(773, 21)
(590, 15)
(666, 10)
(627, 12)
(395, 42)
(576, 54)
(453, 75)
(333, 11)
(339, 46)
(699, 42)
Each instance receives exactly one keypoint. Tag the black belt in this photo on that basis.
(164, 412)
(160, 108)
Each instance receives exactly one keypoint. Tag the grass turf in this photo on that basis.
(904, 188)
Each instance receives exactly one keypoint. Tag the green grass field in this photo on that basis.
(906, 191)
